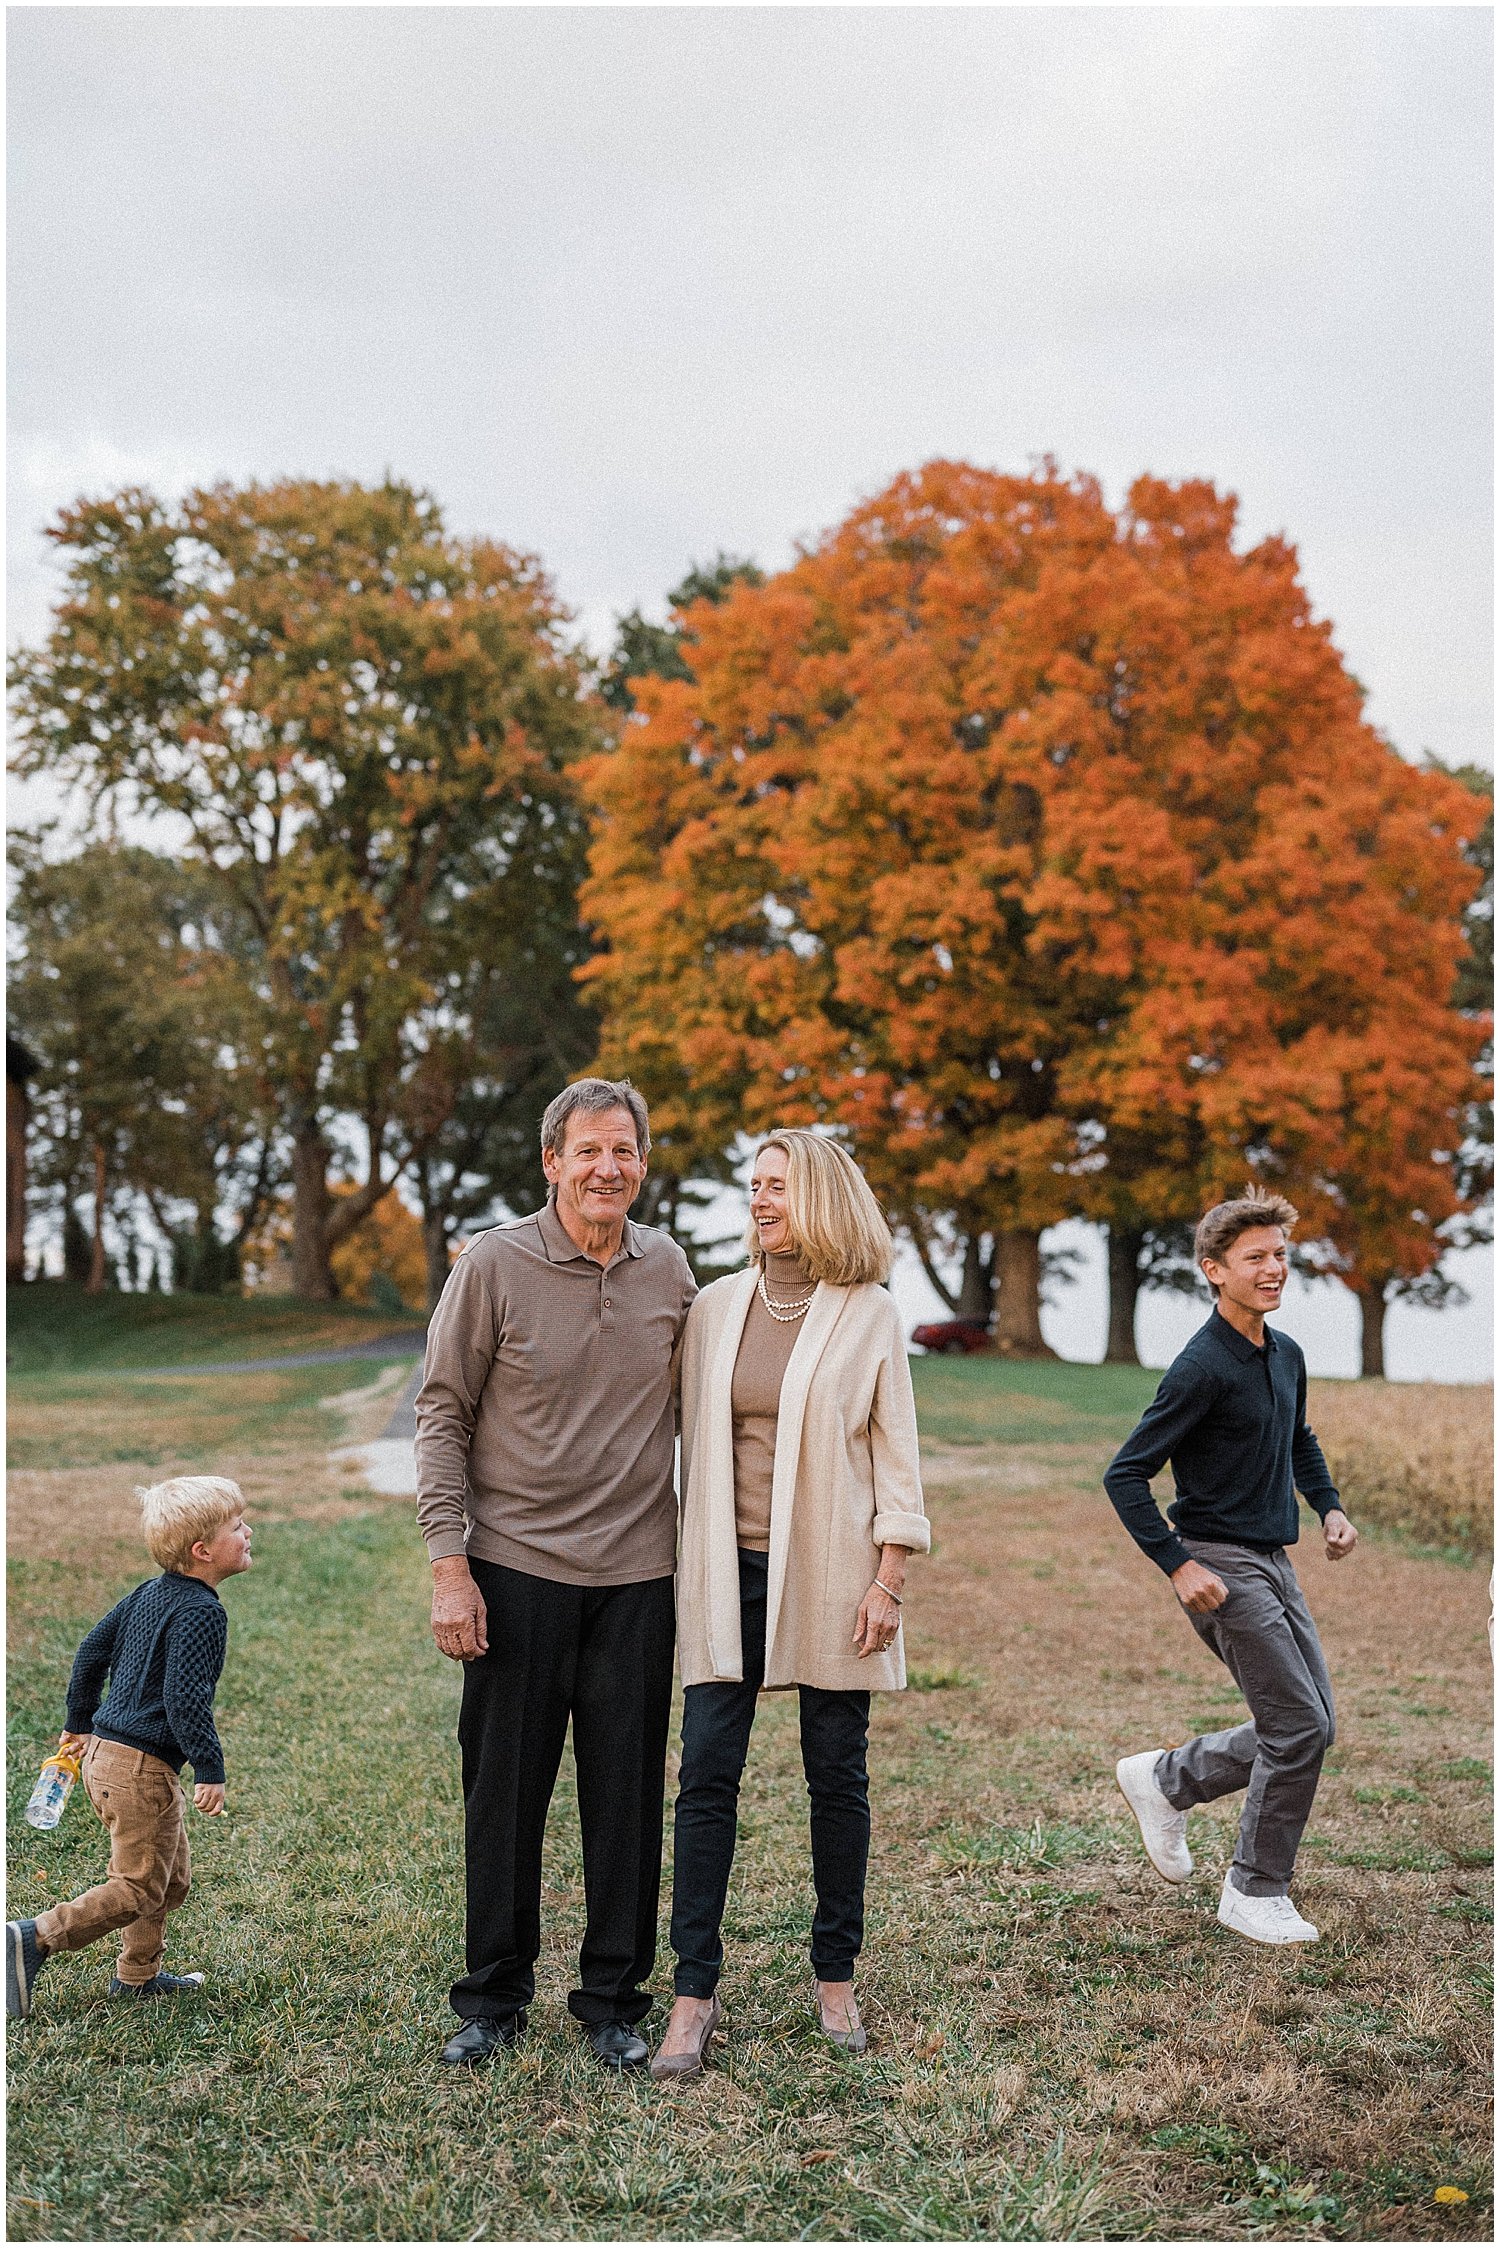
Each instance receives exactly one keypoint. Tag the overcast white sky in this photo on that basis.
(624, 286)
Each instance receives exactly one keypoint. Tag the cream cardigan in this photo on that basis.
(846, 1482)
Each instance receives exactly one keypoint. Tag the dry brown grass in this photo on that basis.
(1413, 1456)
(1077, 1654)
(264, 1430)
(73, 1514)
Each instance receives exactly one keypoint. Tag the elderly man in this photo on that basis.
(545, 1493)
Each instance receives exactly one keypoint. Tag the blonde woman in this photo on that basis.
(802, 1500)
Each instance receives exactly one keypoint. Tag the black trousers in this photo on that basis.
(716, 1722)
(602, 1655)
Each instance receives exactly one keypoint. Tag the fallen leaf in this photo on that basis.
(932, 2043)
(820, 2154)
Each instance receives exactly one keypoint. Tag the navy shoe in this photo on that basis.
(478, 2039)
(617, 2045)
(160, 1986)
(24, 1961)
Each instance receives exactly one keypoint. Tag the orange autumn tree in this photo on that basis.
(941, 843)
(1298, 968)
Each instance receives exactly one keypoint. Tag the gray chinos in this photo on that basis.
(1267, 1640)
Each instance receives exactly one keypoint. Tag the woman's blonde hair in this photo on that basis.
(177, 1513)
(834, 1221)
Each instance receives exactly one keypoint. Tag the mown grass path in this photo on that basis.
(1061, 2047)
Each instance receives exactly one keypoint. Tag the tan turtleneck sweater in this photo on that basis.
(755, 1398)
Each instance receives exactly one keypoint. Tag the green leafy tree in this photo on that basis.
(506, 1031)
(350, 715)
(149, 1085)
(644, 650)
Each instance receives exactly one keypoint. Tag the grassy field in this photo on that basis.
(52, 1328)
(1061, 2047)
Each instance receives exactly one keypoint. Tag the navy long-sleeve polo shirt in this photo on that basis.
(1232, 1419)
(162, 1649)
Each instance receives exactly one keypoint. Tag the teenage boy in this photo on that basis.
(1231, 1416)
(161, 1649)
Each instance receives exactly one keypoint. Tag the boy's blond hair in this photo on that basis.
(177, 1513)
(834, 1222)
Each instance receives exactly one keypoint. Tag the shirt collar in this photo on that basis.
(1233, 1340)
(560, 1246)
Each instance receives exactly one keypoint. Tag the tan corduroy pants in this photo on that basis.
(139, 1798)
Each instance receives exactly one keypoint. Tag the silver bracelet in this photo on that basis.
(885, 1588)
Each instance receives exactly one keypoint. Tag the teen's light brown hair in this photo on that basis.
(1220, 1227)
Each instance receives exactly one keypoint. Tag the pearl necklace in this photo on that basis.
(789, 1311)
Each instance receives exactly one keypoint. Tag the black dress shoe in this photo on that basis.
(617, 2045)
(478, 2039)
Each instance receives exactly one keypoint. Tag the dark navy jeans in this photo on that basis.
(716, 1722)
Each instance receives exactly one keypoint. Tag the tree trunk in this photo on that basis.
(1125, 1244)
(1018, 1269)
(1372, 1307)
(435, 1248)
(75, 1243)
(17, 1125)
(95, 1282)
(312, 1271)
(976, 1295)
(940, 1287)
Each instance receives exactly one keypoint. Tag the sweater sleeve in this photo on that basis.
(1309, 1468)
(91, 1668)
(900, 1515)
(1184, 1396)
(196, 1639)
(461, 1345)
(689, 1294)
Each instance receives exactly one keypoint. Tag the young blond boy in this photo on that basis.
(162, 1649)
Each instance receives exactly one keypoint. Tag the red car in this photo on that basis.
(953, 1338)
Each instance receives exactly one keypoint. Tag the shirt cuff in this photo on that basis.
(1170, 1557)
(209, 1773)
(447, 1545)
(911, 1530)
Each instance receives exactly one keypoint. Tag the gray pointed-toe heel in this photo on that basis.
(851, 2040)
(666, 2066)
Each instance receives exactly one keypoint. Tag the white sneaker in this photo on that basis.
(1163, 1830)
(1265, 1920)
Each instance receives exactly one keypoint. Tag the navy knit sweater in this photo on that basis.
(1232, 1419)
(162, 1650)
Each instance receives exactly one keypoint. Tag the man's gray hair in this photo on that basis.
(591, 1096)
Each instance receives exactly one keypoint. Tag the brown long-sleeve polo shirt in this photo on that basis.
(545, 1424)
